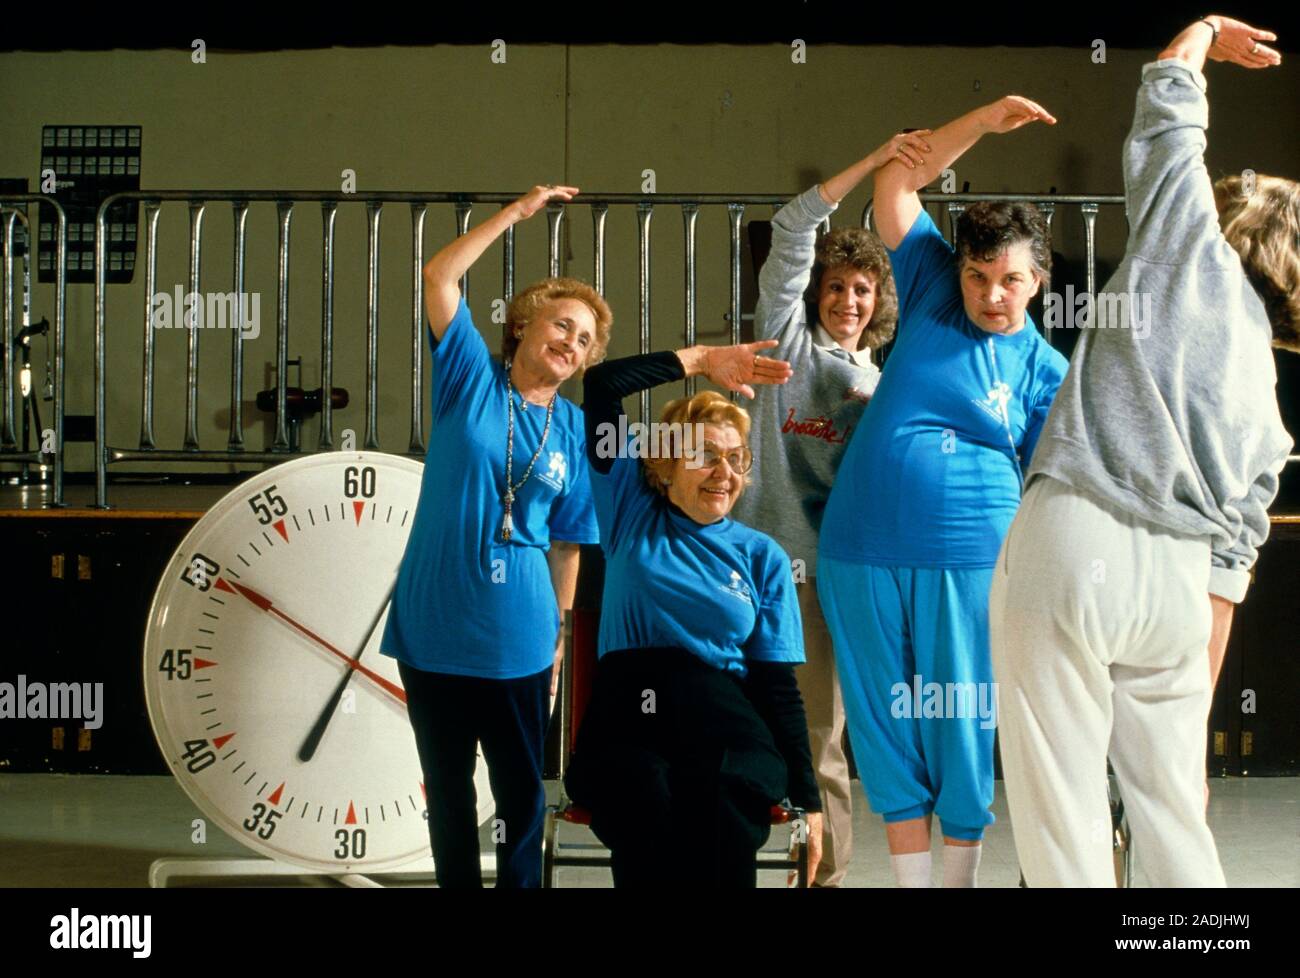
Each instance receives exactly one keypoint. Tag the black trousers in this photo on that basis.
(451, 716)
(678, 770)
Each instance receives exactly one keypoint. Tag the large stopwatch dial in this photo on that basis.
(263, 677)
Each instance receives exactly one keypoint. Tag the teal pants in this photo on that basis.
(912, 652)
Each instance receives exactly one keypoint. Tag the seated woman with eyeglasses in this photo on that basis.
(695, 720)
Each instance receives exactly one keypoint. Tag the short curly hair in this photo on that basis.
(863, 250)
(1263, 227)
(988, 228)
(527, 304)
(707, 407)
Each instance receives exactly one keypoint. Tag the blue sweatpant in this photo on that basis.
(912, 651)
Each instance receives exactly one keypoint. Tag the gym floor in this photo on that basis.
(106, 830)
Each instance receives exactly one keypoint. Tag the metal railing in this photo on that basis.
(1089, 205)
(418, 203)
(198, 202)
(10, 450)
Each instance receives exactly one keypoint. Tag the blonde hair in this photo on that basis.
(707, 407)
(1263, 227)
(527, 304)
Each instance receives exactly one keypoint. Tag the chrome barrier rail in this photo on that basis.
(10, 450)
(286, 202)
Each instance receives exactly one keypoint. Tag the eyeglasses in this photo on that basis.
(740, 459)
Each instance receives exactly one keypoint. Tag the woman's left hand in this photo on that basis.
(537, 198)
(736, 367)
(1011, 112)
(1238, 43)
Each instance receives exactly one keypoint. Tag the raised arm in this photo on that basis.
(785, 274)
(1167, 189)
(443, 272)
(1222, 39)
(910, 148)
(605, 385)
(895, 201)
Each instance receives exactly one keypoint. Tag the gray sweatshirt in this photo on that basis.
(801, 428)
(1169, 410)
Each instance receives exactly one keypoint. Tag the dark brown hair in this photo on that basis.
(985, 230)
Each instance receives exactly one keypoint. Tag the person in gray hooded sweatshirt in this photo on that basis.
(1149, 488)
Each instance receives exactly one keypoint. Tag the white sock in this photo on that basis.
(960, 865)
(912, 869)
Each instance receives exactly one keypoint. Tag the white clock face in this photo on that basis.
(263, 677)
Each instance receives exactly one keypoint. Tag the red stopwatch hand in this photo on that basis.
(264, 603)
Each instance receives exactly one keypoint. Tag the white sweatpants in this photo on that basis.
(1100, 625)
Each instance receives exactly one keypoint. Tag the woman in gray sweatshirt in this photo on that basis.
(1149, 488)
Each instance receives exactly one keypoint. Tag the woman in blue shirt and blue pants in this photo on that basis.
(928, 485)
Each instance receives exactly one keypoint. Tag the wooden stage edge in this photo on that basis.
(126, 500)
(68, 512)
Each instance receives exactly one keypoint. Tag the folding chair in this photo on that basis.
(576, 678)
(1121, 840)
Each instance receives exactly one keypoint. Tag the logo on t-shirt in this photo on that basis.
(995, 402)
(737, 588)
(556, 467)
(820, 427)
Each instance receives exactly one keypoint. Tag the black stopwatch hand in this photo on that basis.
(308, 749)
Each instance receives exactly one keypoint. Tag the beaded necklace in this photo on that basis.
(507, 524)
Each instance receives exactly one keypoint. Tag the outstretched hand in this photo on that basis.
(1013, 111)
(1240, 44)
(737, 367)
(537, 198)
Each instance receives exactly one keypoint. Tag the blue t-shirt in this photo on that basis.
(467, 603)
(722, 591)
(929, 477)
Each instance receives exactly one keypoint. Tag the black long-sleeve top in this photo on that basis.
(770, 686)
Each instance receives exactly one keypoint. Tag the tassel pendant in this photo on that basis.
(507, 525)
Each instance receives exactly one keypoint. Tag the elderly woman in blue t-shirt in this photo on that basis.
(695, 718)
(493, 552)
(904, 582)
